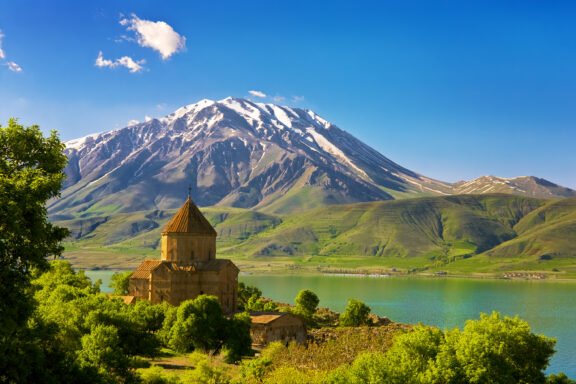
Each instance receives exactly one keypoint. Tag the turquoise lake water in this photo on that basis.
(549, 307)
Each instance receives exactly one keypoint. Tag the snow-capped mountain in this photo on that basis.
(231, 152)
(522, 185)
(238, 153)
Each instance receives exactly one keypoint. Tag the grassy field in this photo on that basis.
(485, 235)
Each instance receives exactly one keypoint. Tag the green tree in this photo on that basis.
(59, 273)
(101, 349)
(245, 293)
(496, 349)
(199, 325)
(490, 350)
(258, 304)
(560, 378)
(31, 173)
(120, 282)
(88, 326)
(306, 303)
(238, 341)
(357, 313)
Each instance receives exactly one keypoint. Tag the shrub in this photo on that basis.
(205, 372)
(490, 350)
(357, 313)
(157, 375)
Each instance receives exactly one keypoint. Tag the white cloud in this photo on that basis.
(156, 35)
(147, 118)
(278, 99)
(126, 61)
(132, 122)
(257, 93)
(2, 54)
(296, 99)
(10, 64)
(14, 67)
(161, 106)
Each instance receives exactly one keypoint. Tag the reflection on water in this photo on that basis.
(549, 308)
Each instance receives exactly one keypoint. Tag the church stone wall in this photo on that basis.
(229, 288)
(286, 329)
(161, 286)
(176, 286)
(139, 288)
(186, 247)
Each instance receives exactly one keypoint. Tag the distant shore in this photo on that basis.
(289, 272)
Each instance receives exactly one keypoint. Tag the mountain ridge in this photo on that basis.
(238, 153)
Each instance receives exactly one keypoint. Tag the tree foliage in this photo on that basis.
(306, 304)
(245, 293)
(490, 350)
(560, 378)
(31, 173)
(101, 348)
(238, 341)
(120, 281)
(357, 313)
(259, 304)
(201, 325)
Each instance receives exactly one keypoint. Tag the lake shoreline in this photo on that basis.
(441, 301)
(288, 272)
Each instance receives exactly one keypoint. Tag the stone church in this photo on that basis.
(188, 266)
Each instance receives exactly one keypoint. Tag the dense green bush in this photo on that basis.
(258, 304)
(201, 325)
(490, 350)
(157, 375)
(357, 313)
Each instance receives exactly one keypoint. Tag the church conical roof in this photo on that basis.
(189, 219)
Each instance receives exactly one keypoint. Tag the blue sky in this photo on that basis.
(450, 89)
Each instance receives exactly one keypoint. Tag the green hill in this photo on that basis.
(464, 234)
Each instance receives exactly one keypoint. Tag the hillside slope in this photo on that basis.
(467, 233)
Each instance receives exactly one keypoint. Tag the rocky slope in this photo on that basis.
(232, 152)
(238, 153)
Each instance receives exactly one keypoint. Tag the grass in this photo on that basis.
(463, 235)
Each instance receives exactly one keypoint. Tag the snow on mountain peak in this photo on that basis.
(80, 142)
(180, 112)
(242, 106)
